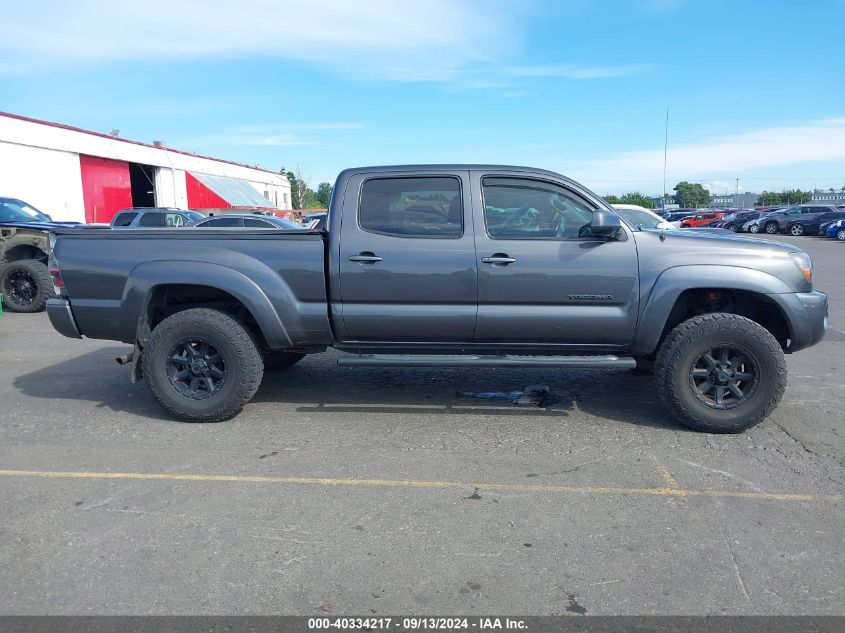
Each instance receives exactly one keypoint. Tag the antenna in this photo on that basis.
(665, 156)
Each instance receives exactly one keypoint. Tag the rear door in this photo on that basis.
(406, 258)
(542, 279)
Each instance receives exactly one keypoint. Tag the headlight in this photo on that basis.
(804, 263)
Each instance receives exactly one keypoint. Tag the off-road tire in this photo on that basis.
(279, 361)
(771, 228)
(677, 356)
(37, 272)
(233, 341)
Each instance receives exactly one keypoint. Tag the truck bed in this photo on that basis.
(108, 275)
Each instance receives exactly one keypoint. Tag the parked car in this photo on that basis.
(316, 221)
(675, 217)
(753, 226)
(154, 217)
(447, 265)
(837, 230)
(812, 225)
(701, 219)
(642, 218)
(779, 221)
(736, 221)
(24, 243)
(247, 221)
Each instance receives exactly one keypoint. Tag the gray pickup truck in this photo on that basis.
(447, 265)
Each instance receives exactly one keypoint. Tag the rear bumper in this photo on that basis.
(62, 318)
(807, 316)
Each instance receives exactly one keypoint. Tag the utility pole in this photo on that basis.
(665, 155)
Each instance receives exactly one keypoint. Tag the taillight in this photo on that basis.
(56, 274)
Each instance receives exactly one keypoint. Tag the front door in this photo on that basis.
(407, 259)
(542, 278)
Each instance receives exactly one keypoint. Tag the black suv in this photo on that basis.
(782, 220)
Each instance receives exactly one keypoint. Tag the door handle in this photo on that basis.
(498, 259)
(365, 258)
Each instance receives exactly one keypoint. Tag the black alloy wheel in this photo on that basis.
(724, 377)
(22, 287)
(195, 368)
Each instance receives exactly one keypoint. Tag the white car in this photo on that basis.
(642, 218)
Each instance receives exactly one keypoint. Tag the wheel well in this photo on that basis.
(166, 300)
(24, 251)
(752, 305)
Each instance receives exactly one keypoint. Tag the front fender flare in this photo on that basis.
(654, 312)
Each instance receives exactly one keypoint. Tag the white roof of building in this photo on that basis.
(23, 130)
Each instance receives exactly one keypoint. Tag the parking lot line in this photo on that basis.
(670, 491)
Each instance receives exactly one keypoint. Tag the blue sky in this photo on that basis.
(756, 90)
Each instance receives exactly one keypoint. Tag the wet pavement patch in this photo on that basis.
(532, 395)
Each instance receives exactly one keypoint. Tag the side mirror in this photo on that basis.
(605, 223)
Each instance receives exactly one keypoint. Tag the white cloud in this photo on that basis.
(461, 42)
(576, 72)
(723, 157)
(372, 37)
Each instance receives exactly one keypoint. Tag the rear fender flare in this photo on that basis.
(259, 293)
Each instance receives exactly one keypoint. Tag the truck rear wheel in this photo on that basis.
(720, 373)
(202, 365)
(26, 285)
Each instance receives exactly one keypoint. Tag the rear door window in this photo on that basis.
(223, 222)
(151, 219)
(124, 219)
(258, 224)
(429, 207)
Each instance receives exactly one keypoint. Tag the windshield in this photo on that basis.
(639, 219)
(12, 210)
(195, 216)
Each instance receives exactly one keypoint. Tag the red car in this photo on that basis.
(701, 218)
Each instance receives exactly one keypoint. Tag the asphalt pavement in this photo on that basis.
(421, 491)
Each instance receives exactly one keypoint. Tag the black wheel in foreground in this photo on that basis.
(720, 373)
(202, 365)
(772, 228)
(733, 227)
(26, 285)
(279, 361)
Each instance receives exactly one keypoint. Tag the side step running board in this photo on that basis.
(579, 362)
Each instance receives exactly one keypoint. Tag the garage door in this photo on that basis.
(106, 187)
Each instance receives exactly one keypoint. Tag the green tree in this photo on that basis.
(635, 197)
(324, 194)
(691, 195)
(295, 198)
(791, 196)
(611, 199)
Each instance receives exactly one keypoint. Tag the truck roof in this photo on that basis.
(450, 167)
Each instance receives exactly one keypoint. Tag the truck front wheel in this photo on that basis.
(202, 365)
(720, 373)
